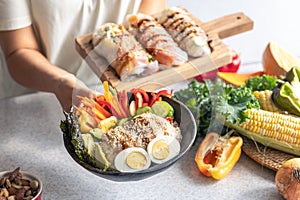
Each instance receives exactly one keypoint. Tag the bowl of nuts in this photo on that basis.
(19, 185)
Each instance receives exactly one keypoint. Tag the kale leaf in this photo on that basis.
(210, 99)
(261, 83)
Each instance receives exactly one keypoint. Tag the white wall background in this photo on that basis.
(274, 20)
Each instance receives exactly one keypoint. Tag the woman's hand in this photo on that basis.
(151, 7)
(68, 89)
(30, 68)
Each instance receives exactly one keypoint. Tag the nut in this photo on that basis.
(12, 191)
(34, 184)
(25, 182)
(14, 174)
(4, 192)
(2, 181)
(8, 183)
(11, 198)
(20, 194)
(28, 193)
(15, 187)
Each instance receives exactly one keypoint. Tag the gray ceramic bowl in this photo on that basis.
(188, 129)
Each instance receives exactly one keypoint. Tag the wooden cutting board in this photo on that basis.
(221, 55)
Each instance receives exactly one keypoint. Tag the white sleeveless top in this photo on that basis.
(58, 23)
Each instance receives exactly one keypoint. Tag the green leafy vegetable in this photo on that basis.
(196, 98)
(237, 101)
(209, 99)
(261, 83)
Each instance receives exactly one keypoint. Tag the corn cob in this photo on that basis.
(265, 100)
(279, 131)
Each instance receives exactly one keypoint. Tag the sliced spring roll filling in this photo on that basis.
(185, 31)
(123, 52)
(155, 39)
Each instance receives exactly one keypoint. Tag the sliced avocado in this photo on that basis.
(100, 157)
(97, 133)
(122, 121)
(88, 142)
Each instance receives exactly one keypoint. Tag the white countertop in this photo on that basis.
(31, 139)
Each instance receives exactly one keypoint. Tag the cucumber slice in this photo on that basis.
(163, 109)
(122, 121)
(97, 133)
(143, 109)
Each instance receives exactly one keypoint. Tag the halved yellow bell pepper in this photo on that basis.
(217, 155)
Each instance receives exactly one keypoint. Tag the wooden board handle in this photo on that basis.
(229, 25)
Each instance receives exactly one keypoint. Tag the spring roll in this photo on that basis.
(123, 52)
(184, 30)
(155, 39)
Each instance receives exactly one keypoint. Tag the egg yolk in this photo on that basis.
(136, 160)
(160, 150)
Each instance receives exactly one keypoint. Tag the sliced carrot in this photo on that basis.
(100, 97)
(103, 110)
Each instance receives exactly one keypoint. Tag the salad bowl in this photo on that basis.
(188, 128)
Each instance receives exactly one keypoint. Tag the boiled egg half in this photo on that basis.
(132, 159)
(163, 148)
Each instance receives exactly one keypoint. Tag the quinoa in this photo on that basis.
(137, 132)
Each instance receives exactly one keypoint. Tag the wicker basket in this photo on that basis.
(265, 156)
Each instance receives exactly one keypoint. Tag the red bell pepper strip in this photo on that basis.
(143, 93)
(104, 103)
(158, 96)
(170, 119)
(102, 110)
(165, 93)
(91, 104)
(99, 97)
(153, 99)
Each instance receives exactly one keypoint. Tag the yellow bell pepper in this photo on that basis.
(217, 155)
(107, 93)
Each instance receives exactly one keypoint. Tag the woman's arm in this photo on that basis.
(152, 6)
(30, 68)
